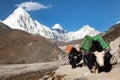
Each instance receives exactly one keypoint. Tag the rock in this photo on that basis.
(67, 73)
(115, 51)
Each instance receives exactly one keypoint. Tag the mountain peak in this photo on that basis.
(20, 11)
(118, 22)
(86, 26)
(57, 26)
(18, 19)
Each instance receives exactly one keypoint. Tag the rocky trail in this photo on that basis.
(42, 71)
(82, 73)
(59, 70)
(27, 71)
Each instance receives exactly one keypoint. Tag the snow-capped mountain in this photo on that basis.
(20, 19)
(57, 26)
(81, 33)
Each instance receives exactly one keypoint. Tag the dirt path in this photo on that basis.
(25, 71)
(67, 73)
(37, 70)
(114, 74)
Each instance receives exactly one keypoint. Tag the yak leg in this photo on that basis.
(94, 69)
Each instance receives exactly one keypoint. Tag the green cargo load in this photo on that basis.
(101, 41)
(86, 43)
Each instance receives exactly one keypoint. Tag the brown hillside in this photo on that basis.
(112, 33)
(20, 47)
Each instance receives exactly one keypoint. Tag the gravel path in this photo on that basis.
(37, 70)
(82, 73)
(7, 71)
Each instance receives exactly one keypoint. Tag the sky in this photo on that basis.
(70, 14)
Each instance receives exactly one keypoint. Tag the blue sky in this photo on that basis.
(71, 14)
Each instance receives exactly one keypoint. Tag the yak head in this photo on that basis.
(100, 57)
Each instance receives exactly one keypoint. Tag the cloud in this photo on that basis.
(32, 6)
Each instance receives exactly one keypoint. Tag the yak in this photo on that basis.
(74, 57)
(97, 59)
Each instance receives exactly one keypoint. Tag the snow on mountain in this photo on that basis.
(118, 22)
(17, 19)
(81, 33)
(43, 30)
(57, 26)
(20, 19)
